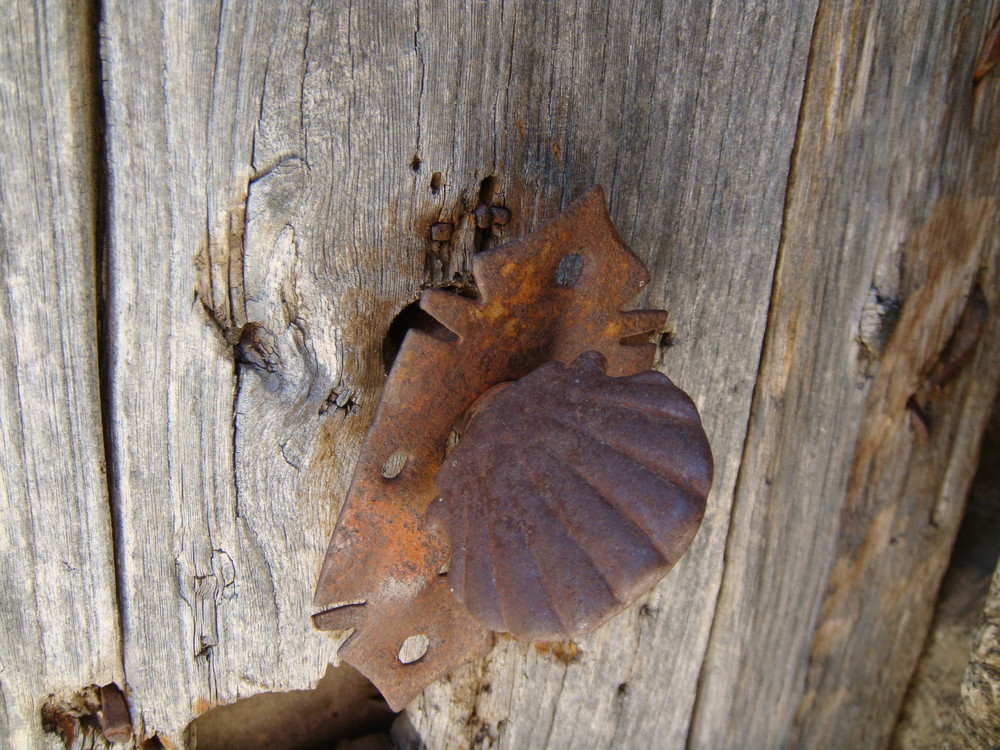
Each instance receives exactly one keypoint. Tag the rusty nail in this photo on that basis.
(441, 231)
(483, 217)
(501, 215)
(114, 718)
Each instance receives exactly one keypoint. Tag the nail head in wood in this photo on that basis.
(441, 231)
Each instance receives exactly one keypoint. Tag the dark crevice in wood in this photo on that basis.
(411, 316)
(483, 234)
(96, 95)
(741, 479)
(487, 189)
(415, 165)
(220, 287)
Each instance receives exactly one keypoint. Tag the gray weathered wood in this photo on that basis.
(809, 183)
(215, 569)
(58, 615)
(646, 102)
(933, 696)
(336, 144)
(319, 132)
(843, 518)
(332, 243)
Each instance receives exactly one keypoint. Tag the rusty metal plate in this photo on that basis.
(548, 297)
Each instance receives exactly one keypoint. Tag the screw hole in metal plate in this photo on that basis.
(569, 269)
(413, 648)
(393, 465)
(453, 438)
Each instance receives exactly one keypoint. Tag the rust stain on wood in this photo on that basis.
(566, 652)
(940, 264)
(989, 55)
(940, 317)
(847, 572)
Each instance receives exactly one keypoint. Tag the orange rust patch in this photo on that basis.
(201, 705)
(941, 261)
(565, 651)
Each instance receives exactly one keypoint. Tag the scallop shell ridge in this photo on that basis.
(570, 495)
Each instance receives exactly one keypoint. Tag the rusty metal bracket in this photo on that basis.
(634, 461)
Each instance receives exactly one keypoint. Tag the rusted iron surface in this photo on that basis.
(570, 495)
(114, 719)
(548, 297)
(442, 231)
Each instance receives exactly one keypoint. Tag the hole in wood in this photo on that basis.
(436, 183)
(409, 317)
(412, 316)
(393, 465)
(413, 648)
(569, 270)
(487, 189)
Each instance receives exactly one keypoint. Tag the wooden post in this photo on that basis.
(59, 625)
(813, 186)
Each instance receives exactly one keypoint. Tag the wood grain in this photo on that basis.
(58, 613)
(812, 185)
(301, 182)
(933, 695)
(843, 519)
(643, 101)
(215, 588)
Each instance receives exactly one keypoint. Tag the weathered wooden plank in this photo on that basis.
(642, 100)
(334, 244)
(58, 613)
(336, 158)
(843, 517)
(290, 162)
(933, 696)
(210, 611)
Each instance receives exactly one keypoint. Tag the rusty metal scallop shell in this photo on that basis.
(571, 494)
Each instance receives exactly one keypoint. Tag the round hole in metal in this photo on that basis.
(569, 269)
(413, 648)
(393, 465)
